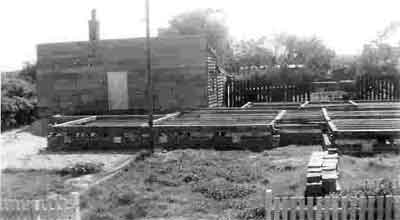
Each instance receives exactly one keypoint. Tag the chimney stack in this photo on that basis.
(94, 27)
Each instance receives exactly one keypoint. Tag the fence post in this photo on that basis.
(388, 207)
(36, 210)
(268, 204)
(396, 206)
(77, 213)
(318, 212)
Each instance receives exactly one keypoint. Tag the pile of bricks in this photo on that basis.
(322, 173)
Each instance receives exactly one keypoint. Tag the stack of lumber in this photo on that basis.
(322, 173)
(300, 127)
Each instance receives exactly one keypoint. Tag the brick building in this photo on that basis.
(103, 76)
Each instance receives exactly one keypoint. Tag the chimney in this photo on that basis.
(94, 27)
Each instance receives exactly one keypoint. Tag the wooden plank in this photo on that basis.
(77, 122)
(353, 206)
(345, 204)
(388, 207)
(334, 208)
(353, 103)
(268, 204)
(279, 116)
(332, 126)
(168, 116)
(285, 206)
(247, 105)
(380, 209)
(363, 207)
(396, 206)
(325, 114)
(302, 210)
(293, 207)
(327, 206)
(304, 104)
(318, 212)
(371, 207)
(277, 206)
(310, 208)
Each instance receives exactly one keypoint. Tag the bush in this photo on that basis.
(252, 213)
(18, 102)
(95, 215)
(220, 189)
(161, 180)
(80, 169)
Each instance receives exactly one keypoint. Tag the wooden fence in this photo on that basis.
(239, 92)
(332, 207)
(55, 209)
(370, 87)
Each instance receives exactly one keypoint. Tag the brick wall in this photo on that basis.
(72, 76)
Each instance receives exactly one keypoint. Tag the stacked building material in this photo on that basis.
(322, 173)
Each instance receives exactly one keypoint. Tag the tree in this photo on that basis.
(28, 72)
(379, 57)
(309, 52)
(208, 22)
(253, 52)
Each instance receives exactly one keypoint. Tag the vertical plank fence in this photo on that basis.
(239, 92)
(332, 207)
(56, 209)
(371, 87)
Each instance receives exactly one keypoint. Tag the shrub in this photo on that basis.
(96, 215)
(18, 102)
(252, 213)
(220, 189)
(80, 169)
(161, 180)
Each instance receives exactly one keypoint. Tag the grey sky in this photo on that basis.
(343, 25)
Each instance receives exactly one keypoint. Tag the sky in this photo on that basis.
(343, 25)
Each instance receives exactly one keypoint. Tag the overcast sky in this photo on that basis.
(344, 25)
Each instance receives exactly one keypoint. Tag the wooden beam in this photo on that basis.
(304, 104)
(172, 115)
(279, 116)
(325, 113)
(76, 122)
(247, 105)
(353, 103)
(326, 142)
(332, 126)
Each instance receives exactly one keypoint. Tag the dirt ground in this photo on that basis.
(20, 150)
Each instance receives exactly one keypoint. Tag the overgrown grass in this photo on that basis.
(381, 169)
(194, 184)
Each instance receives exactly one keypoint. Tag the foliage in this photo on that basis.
(28, 72)
(18, 102)
(80, 169)
(381, 188)
(208, 22)
(253, 52)
(378, 57)
(220, 189)
(286, 58)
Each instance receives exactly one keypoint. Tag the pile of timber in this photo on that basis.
(300, 127)
(372, 128)
(322, 173)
